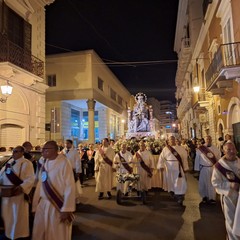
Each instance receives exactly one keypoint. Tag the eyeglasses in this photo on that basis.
(43, 149)
(16, 151)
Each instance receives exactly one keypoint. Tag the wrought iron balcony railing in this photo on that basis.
(10, 52)
(227, 56)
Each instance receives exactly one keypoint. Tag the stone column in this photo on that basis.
(91, 124)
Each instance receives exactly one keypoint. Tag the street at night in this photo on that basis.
(146, 91)
(160, 218)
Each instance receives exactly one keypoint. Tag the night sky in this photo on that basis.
(137, 33)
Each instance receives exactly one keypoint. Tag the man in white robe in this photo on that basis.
(122, 162)
(50, 222)
(227, 185)
(204, 162)
(145, 173)
(104, 169)
(174, 169)
(15, 209)
(73, 156)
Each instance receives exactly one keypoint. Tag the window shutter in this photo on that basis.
(27, 35)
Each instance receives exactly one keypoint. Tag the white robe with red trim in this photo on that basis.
(121, 169)
(103, 171)
(230, 198)
(170, 164)
(205, 166)
(15, 210)
(145, 180)
(47, 225)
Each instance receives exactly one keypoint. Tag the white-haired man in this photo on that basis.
(122, 162)
(226, 180)
(173, 160)
(206, 156)
(145, 164)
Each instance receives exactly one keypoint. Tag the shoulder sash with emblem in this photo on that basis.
(228, 174)
(105, 158)
(125, 164)
(16, 180)
(52, 194)
(11, 175)
(208, 153)
(178, 157)
(143, 165)
(54, 197)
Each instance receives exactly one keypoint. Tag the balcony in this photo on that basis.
(10, 52)
(224, 68)
(185, 104)
(200, 100)
(184, 58)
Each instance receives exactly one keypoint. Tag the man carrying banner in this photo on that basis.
(226, 180)
(18, 176)
(145, 165)
(54, 199)
(206, 156)
(122, 161)
(104, 169)
(173, 160)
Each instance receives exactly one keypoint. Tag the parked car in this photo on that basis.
(4, 157)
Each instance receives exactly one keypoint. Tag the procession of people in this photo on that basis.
(58, 180)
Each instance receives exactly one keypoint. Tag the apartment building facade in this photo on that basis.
(22, 58)
(207, 42)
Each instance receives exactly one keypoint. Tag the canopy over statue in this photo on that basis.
(140, 118)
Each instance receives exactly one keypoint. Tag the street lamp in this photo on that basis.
(6, 90)
(196, 87)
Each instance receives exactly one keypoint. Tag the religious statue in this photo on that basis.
(139, 121)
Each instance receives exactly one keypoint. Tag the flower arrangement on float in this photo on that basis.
(122, 178)
(132, 145)
(152, 144)
(155, 145)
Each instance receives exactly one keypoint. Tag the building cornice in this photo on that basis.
(181, 21)
(204, 29)
(24, 8)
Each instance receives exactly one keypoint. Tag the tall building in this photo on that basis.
(207, 42)
(22, 58)
(167, 115)
(155, 104)
(85, 100)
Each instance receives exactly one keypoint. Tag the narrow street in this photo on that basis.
(160, 218)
